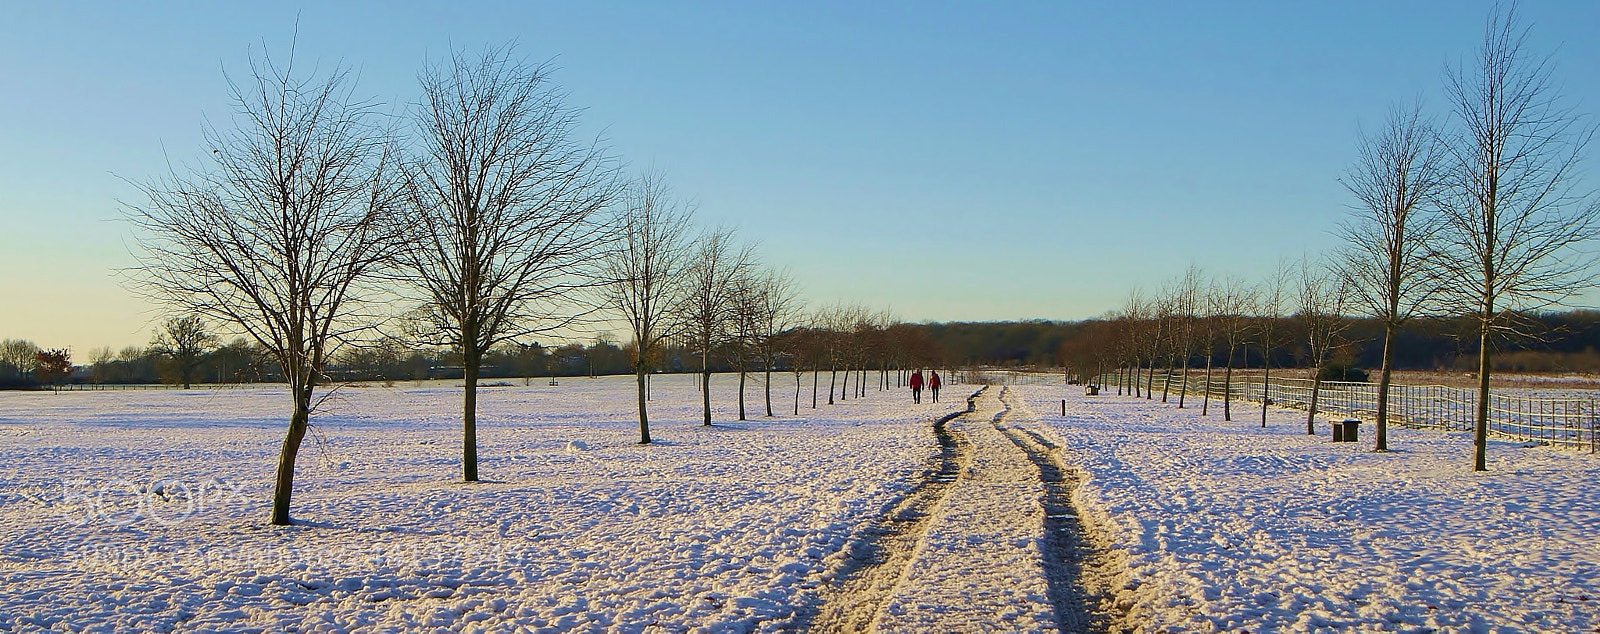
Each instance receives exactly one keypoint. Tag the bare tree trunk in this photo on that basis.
(1166, 382)
(814, 373)
(1480, 434)
(1266, 384)
(469, 413)
(1205, 405)
(1316, 389)
(768, 387)
(833, 380)
(643, 379)
(705, 385)
(1227, 388)
(845, 387)
(1184, 390)
(283, 485)
(1382, 434)
(742, 374)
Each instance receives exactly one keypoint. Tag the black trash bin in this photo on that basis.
(1347, 430)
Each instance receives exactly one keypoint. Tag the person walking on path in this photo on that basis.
(916, 386)
(933, 384)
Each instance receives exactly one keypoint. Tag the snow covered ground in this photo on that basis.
(146, 510)
(978, 565)
(1231, 527)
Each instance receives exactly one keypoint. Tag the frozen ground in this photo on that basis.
(979, 563)
(578, 528)
(124, 511)
(1230, 527)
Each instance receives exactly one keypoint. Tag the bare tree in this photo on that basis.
(276, 235)
(1135, 314)
(1186, 296)
(1323, 299)
(1396, 178)
(19, 354)
(1211, 306)
(1516, 219)
(779, 310)
(644, 273)
(1274, 292)
(1236, 300)
(1157, 333)
(502, 203)
(744, 319)
(100, 363)
(1128, 320)
(184, 342)
(713, 268)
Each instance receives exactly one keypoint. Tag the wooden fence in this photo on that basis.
(1570, 421)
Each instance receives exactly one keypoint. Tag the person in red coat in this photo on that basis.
(916, 386)
(933, 384)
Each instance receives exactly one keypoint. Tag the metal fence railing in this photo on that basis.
(1570, 422)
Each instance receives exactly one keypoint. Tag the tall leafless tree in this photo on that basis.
(1396, 179)
(714, 266)
(1323, 298)
(744, 322)
(644, 273)
(1210, 318)
(275, 236)
(1517, 220)
(1275, 291)
(503, 208)
(19, 354)
(779, 311)
(1135, 315)
(184, 342)
(1236, 301)
(1186, 295)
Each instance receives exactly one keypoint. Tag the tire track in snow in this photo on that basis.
(1080, 578)
(876, 562)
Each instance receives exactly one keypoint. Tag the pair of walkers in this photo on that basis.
(916, 386)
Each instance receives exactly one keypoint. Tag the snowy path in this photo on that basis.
(984, 563)
(1079, 567)
(875, 564)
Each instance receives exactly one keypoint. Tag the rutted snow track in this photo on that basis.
(875, 564)
(989, 542)
(1081, 576)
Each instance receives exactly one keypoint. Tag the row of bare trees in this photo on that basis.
(1477, 212)
(477, 220)
(1300, 311)
(315, 217)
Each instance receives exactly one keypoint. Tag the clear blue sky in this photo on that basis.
(952, 161)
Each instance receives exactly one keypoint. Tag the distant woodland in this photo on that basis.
(1568, 343)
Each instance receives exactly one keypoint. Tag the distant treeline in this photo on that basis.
(241, 362)
(1557, 342)
(1562, 342)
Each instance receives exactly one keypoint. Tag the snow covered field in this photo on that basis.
(146, 511)
(1230, 527)
(718, 528)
